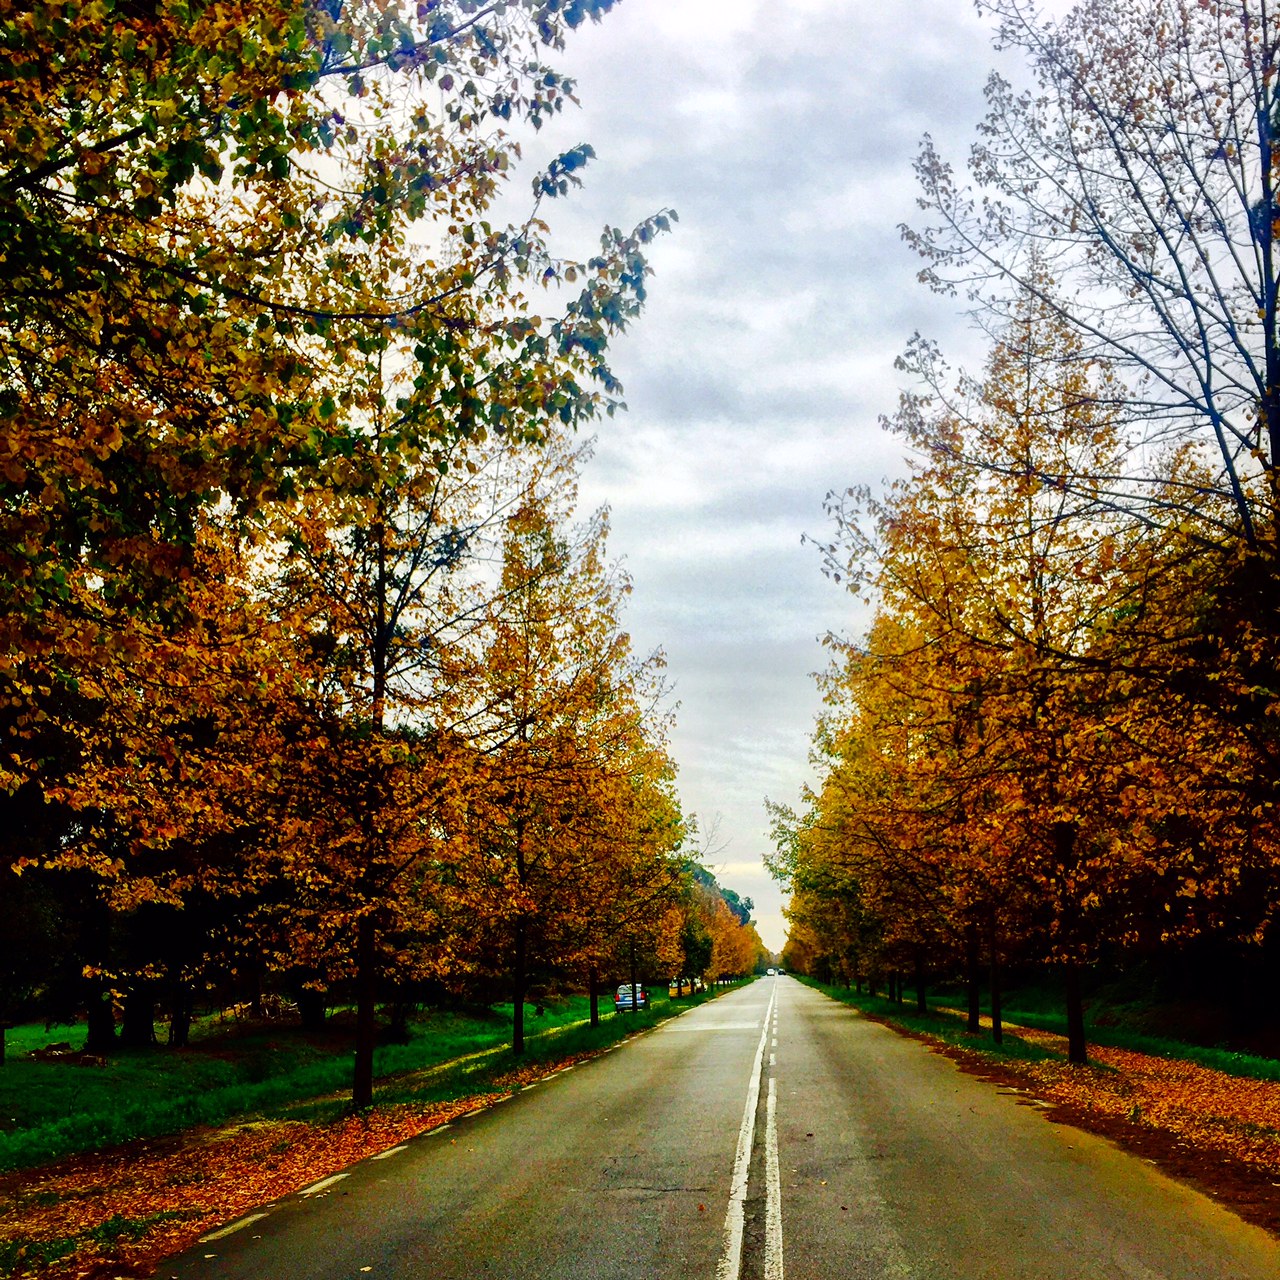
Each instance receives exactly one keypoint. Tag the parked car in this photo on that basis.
(685, 987)
(622, 999)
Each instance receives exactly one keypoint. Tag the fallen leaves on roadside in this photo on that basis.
(1210, 1110)
(173, 1190)
(138, 1204)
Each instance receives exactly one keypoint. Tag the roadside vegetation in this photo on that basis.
(130, 1206)
(64, 1103)
(315, 683)
(1050, 739)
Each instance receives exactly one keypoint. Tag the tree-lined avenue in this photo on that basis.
(891, 1163)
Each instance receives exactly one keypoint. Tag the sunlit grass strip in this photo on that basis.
(1247, 1066)
(941, 1024)
(155, 1093)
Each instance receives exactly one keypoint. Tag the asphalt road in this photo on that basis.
(771, 1133)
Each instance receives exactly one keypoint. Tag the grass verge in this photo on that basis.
(50, 1109)
(1245, 1065)
(948, 1024)
(942, 1024)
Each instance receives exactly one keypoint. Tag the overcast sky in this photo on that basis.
(783, 135)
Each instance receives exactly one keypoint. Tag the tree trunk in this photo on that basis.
(1077, 1046)
(398, 1031)
(138, 1025)
(179, 1013)
(635, 993)
(256, 1007)
(593, 986)
(366, 1019)
(997, 1022)
(518, 980)
(311, 1009)
(973, 980)
(102, 1024)
(922, 1001)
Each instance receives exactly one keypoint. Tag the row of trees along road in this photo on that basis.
(307, 675)
(1057, 739)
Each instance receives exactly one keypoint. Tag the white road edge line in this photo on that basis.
(323, 1184)
(773, 1189)
(232, 1229)
(735, 1217)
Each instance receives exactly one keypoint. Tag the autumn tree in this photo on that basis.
(1132, 192)
(176, 755)
(724, 916)
(566, 716)
(990, 729)
(192, 195)
(220, 227)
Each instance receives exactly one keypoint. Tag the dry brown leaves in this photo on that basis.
(1216, 1113)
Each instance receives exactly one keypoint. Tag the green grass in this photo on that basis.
(942, 1024)
(949, 1025)
(1246, 1065)
(59, 1108)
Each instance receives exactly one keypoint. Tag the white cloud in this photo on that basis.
(784, 136)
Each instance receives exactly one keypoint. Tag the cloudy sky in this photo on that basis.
(783, 135)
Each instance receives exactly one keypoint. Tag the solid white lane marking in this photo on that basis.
(735, 1218)
(316, 1187)
(232, 1229)
(394, 1151)
(773, 1189)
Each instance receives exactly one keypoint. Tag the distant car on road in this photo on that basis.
(771, 973)
(622, 999)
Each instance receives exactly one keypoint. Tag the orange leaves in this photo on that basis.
(985, 735)
(193, 1186)
(1215, 1113)
(735, 945)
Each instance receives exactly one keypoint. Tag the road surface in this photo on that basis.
(771, 1133)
